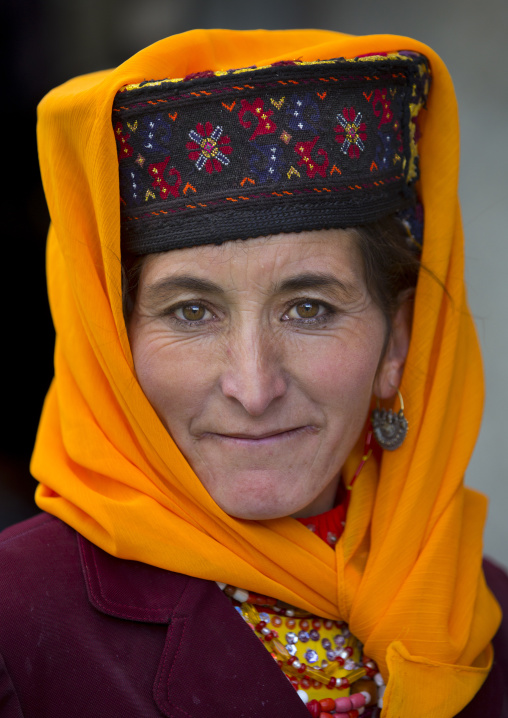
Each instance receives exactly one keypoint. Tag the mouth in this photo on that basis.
(267, 437)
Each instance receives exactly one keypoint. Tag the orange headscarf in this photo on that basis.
(406, 574)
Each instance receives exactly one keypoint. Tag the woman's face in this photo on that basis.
(260, 358)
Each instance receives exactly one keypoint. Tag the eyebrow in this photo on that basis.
(319, 280)
(158, 291)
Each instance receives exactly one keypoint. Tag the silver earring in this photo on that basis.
(389, 428)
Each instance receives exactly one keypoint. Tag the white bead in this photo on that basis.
(289, 612)
(221, 585)
(361, 710)
(378, 679)
(240, 595)
(296, 664)
(380, 703)
(366, 695)
(303, 696)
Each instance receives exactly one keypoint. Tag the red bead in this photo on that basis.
(304, 624)
(339, 660)
(269, 636)
(302, 668)
(294, 682)
(260, 625)
(331, 683)
(353, 714)
(327, 704)
(258, 600)
(291, 623)
(291, 660)
(277, 620)
(316, 623)
(316, 684)
(314, 708)
(325, 714)
(305, 682)
(371, 672)
(328, 625)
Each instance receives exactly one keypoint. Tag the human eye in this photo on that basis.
(191, 313)
(308, 311)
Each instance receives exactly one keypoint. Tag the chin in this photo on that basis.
(259, 505)
(254, 514)
(256, 503)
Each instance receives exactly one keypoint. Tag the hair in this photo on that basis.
(132, 265)
(391, 262)
(391, 265)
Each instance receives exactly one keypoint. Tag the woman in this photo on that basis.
(227, 391)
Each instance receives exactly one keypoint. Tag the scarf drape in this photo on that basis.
(406, 574)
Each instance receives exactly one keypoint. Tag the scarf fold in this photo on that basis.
(406, 573)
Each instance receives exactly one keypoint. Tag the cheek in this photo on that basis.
(339, 373)
(173, 377)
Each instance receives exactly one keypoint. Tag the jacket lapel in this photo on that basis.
(212, 663)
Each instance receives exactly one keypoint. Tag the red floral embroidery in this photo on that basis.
(304, 149)
(351, 131)
(384, 112)
(157, 172)
(265, 126)
(124, 149)
(208, 147)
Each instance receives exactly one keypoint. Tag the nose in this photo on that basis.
(254, 374)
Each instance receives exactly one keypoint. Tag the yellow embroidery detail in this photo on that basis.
(277, 103)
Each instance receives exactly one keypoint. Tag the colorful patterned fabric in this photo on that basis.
(329, 525)
(289, 147)
(324, 650)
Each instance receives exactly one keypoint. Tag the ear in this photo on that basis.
(391, 366)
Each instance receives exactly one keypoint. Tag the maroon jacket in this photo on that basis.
(84, 634)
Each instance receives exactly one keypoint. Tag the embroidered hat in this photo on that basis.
(290, 147)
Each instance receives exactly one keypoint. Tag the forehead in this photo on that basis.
(263, 259)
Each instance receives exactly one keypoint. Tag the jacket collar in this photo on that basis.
(129, 589)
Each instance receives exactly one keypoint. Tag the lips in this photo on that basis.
(274, 434)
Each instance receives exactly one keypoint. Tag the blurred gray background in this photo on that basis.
(45, 42)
